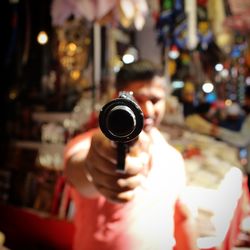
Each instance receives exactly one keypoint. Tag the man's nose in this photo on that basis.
(148, 109)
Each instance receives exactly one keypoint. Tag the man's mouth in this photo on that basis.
(148, 123)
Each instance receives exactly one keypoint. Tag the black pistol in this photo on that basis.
(121, 120)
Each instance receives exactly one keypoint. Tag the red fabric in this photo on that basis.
(104, 225)
(182, 233)
(74, 141)
(182, 229)
(26, 229)
(60, 185)
(87, 236)
(239, 214)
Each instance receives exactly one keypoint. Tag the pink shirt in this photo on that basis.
(147, 222)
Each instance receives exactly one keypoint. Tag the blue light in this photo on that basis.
(211, 97)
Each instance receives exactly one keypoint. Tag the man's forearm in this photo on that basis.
(76, 173)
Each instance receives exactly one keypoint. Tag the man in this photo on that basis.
(138, 209)
(233, 117)
(239, 138)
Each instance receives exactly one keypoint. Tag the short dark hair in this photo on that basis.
(141, 70)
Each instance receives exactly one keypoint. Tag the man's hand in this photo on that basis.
(100, 165)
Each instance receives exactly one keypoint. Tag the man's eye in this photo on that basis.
(142, 99)
(155, 100)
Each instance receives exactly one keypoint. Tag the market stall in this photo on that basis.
(217, 193)
(60, 58)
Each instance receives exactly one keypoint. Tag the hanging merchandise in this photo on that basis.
(179, 25)
(196, 68)
(164, 22)
(154, 7)
(190, 10)
(133, 13)
(16, 45)
(180, 36)
(171, 67)
(141, 13)
(61, 11)
(185, 24)
(171, 24)
(15, 27)
(202, 2)
(239, 20)
(14, 22)
(73, 50)
(185, 58)
(247, 54)
(205, 34)
(128, 13)
(217, 15)
(167, 4)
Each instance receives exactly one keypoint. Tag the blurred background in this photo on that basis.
(58, 62)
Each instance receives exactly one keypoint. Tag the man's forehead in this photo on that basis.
(149, 92)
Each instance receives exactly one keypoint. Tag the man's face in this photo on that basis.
(150, 96)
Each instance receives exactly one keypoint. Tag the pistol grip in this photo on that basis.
(122, 150)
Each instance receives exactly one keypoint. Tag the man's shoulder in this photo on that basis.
(159, 137)
(163, 145)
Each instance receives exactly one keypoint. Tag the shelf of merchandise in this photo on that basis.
(51, 116)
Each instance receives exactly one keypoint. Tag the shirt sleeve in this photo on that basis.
(76, 144)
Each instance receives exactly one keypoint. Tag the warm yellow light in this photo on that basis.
(75, 74)
(71, 49)
(42, 37)
(13, 94)
(228, 102)
(87, 41)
